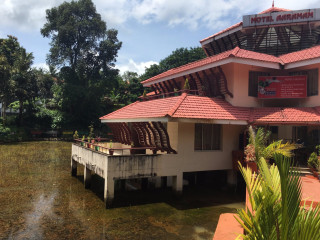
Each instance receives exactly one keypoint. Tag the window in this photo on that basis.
(253, 82)
(207, 137)
(312, 80)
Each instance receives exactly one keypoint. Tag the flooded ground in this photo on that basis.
(40, 200)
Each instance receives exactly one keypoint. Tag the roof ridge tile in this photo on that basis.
(178, 103)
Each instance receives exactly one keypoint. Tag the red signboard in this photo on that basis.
(282, 87)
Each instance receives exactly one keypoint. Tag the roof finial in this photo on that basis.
(272, 3)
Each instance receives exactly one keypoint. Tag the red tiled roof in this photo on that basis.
(145, 109)
(184, 106)
(222, 31)
(306, 54)
(285, 115)
(236, 52)
(196, 107)
(272, 9)
(210, 108)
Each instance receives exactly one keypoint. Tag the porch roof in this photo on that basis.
(194, 108)
(274, 115)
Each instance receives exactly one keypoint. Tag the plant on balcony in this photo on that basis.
(111, 151)
(76, 135)
(82, 140)
(91, 131)
(275, 198)
(186, 86)
(88, 140)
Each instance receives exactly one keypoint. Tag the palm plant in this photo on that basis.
(275, 197)
(258, 145)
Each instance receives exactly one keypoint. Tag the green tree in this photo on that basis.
(16, 78)
(177, 58)
(85, 50)
(9, 53)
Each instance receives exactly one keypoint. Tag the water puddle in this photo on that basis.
(40, 200)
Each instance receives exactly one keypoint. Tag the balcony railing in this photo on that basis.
(97, 144)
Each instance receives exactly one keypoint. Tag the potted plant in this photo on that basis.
(313, 163)
(82, 140)
(76, 135)
(250, 157)
(111, 151)
(186, 86)
(89, 140)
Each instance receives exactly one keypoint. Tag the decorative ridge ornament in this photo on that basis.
(272, 3)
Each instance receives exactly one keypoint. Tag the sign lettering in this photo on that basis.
(282, 87)
(281, 17)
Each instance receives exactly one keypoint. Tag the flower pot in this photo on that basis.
(253, 166)
(315, 172)
(111, 151)
(154, 151)
(96, 148)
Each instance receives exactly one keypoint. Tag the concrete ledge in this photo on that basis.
(228, 227)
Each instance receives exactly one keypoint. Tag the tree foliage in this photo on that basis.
(16, 78)
(177, 58)
(85, 52)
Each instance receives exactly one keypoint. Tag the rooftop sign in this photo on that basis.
(281, 17)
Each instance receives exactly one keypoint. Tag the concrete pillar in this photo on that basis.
(87, 177)
(231, 177)
(73, 167)
(177, 184)
(158, 182)
(108, 190)
(144, 184)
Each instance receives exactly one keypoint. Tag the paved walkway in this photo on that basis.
(310, 190)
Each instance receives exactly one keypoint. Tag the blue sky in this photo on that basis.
(149, 29)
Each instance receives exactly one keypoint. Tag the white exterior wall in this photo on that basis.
(189, 160)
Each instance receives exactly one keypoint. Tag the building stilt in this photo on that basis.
(177, 184)
(73, 167)
(87, 177)
(108, 191)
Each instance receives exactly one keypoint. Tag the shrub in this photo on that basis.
(313, 161)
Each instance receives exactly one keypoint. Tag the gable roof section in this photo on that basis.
(196, 107)
(289, 60)
(145, 109)
(302, 55)
(184, 106)
(234, 53)
(205, 108)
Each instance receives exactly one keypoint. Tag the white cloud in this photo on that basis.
(43, 66)
(25, 15)
(132, 66)
(30, 15)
